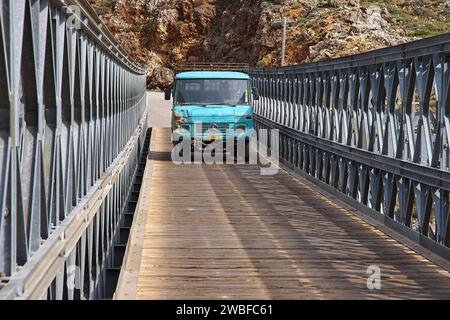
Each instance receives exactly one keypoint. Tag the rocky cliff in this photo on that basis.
(161, 33)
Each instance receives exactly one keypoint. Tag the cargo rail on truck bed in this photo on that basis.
(212, 66)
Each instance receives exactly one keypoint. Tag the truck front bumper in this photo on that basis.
(221, 142)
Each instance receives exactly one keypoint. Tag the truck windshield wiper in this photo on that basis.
(191, 104)
(221, 104)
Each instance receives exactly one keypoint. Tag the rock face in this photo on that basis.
(234, 36)
(161, 33)
(161, 78)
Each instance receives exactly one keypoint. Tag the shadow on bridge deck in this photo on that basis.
(226, 232)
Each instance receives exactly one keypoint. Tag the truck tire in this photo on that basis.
(246, 155)
(247, 151)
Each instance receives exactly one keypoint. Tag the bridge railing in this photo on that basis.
(374, 129)
(72, 124)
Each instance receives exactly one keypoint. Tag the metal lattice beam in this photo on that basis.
(72, 126)
(375, 128)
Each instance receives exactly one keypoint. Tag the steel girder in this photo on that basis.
(72, 125)
(374, 127)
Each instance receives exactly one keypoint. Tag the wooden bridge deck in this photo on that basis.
(226, 232)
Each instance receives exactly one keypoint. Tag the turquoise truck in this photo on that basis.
(212, 103)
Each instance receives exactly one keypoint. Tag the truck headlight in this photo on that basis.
(240, 128)
(185, 128)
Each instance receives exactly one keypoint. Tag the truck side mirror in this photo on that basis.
(255, 93)
(168, 93)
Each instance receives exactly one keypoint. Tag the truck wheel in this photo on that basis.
(247, 151)
(174, 144)
(246, 155)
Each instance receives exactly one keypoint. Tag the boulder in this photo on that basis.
(161, 78)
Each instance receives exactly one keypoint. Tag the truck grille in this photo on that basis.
(222, 127)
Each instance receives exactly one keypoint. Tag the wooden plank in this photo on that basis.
(225, 232)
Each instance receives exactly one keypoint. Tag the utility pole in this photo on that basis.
(283, 43)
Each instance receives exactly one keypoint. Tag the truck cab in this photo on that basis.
(211, 105)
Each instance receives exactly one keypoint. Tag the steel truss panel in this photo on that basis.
(72, 126)
(374, 127)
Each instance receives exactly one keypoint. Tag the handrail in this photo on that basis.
(104, 37)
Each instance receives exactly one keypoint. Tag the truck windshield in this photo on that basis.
(212, 92)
